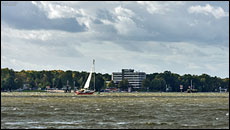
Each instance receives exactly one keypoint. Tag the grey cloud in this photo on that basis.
(25, 15)
(172, 26)
(105, 14)
(153, 43)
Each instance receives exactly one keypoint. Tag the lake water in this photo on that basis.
(114, 110)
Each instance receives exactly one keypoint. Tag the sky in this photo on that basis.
(147, 36)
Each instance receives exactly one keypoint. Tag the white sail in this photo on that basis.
(88, 81)
(89, 78)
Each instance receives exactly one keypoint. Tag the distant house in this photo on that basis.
(35, 88)
(47, 87)
(222, 90)
(26, 86)
(67, 88)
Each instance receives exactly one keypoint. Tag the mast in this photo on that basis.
(191, 84)
(73, 84)
(94, 73)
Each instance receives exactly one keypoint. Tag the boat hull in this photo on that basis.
(84, 93)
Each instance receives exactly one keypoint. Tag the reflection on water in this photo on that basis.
(115, 110)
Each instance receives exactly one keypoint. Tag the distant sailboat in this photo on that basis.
(85, 90)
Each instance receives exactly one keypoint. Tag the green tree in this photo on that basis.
(159, 83)
(80, 82)
(146, 84)
(59, 84)
(45, 81)
(7, 79)
(99, 82)
(124, 84)
(111, 84)
(18, 83)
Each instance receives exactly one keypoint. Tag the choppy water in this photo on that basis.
(114, 110)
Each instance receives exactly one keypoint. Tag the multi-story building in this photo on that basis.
(134, 78)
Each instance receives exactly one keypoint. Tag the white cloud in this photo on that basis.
(106, 22)
(159, 7)
(85, 21)
(57, 10)
(217, 12)
(42, 35)
(124, 23)
(28, 65)
(123, 12)
(152, 6)
(184, 57)
(178, 57)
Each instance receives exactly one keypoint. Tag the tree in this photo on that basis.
(225, 83)
(76, 76)
(67, 76)
(99, 82)
(159, 84)
(59, 84)
(124, 84)
(18, 83)
(45, 81)
(7, 79)
(80, 82)
(155, 85)
(53, 84)
(146, 84)
(106, 77)
(111, 84)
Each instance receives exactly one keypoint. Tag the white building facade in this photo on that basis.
(134, 78)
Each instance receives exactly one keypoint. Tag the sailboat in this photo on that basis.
(85, 90)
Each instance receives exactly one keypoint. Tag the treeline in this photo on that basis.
(203, 83)
(13, 80)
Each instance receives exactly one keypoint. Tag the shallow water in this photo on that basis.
(115, 110)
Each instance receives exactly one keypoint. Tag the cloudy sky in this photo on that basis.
(182, 37)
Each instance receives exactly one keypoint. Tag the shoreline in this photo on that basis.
(118, 95)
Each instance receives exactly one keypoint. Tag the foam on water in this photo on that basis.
(14, 123)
